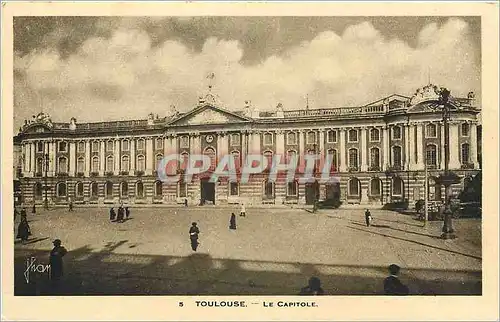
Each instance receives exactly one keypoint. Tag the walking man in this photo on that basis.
(392, 284)
(243, 211)
(34, 209)
(232, 222)
(120, 214)
(127, 213)
(193, 235)
(368, 217)
(70, 204)
(112, 214)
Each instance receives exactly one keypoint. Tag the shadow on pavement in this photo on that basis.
(416, 242)
(91, 272)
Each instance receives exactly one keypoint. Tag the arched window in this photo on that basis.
(81, 147)
(63, 147)
(158, 189)
(124, 189)
(396, 133)
(235, 139)
(159, 144)
(110, 163)
(125, 163)
(269, 157)
(125, 145)
(184, 142)
(374, 135)
(39, 147)
(332, 136)
(62, 165)
(465, 152)
(61, 189)
(268, 189)
(353, 135)
(333, 154)
(95, 146)
(311, 137)
(79, 189)
(396, 156)
(375, 187)
(140, 144)
(431, 130)
(375, 158)
(291, 138)
(94, 189)
(159, 157)
(354, 187)
(39, 165)
(95, 164)
(210, 152)
(234, 189)
(80, 165)
(139, 189)
(110, 146)
(237, 159)
(431, 155)
(38, 190)
(185, 161)
(292, 189)
(108, 189)
(353, 158)
(397, 186)
(141, 163)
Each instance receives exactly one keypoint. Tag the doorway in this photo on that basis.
(312, 192)
(333, 192)
(207, 191)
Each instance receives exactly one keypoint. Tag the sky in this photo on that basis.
(120, 68)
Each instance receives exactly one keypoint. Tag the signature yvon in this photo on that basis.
(33, 267)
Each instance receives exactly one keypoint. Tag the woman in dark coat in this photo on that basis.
(23, 230)
(127, 212)
(232, 221)
(112, 214)
(119, 218)
(193, 236)
(56, 262)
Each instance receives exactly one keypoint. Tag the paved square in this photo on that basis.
(272, 252)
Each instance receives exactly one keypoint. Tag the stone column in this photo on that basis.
(342, 152)
(385, 148)
(117, 156)
(406, 160)
(411, 146)
(32, 158)
(364, 153)
(322, 154)
(420, 148)
(102, 158)
(87, 158)
(454, 147)
(173, 146)
(441, 155)
(220, 150)
(473, 145)
(132, 155)
(197, 143)
(72, 158)
(27, 159)
(52, 158)
(301, 153)
(149, 156)
(244, 148)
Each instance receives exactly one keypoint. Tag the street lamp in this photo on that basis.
(447, 178)
(46, 188)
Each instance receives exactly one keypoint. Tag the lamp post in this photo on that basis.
(46, 188)
(447, 178)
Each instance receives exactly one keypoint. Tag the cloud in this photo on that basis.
(124, 76)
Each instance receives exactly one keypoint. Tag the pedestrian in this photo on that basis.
(313, 287)
(120, 216)
(368, 218)
(16, 212)
(112, 214)
(70, 204)
(23, 230)
(185, 202)
(56, 262)
(232, 221)
(194, 231)
(127, 213)
(392, 284)
(23, 214)
(33, 211)
(242, 211)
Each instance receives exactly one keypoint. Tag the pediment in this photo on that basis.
(208, 115)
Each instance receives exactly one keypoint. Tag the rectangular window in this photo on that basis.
(332, 136)
(465, 129)
(95, 146)
(235, 139)
(268, 139)
(39, 147)
(109, 146)
(159, 143)
(311, 137)
(353, 136)
(63, 147)
(291, 190)
(396, 133)
(374, 135)
(291, 138)
(125, 145)
(234, 189)
(81, 147)
(184, 142)
(140, 144)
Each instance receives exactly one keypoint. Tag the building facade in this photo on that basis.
(379, 152)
